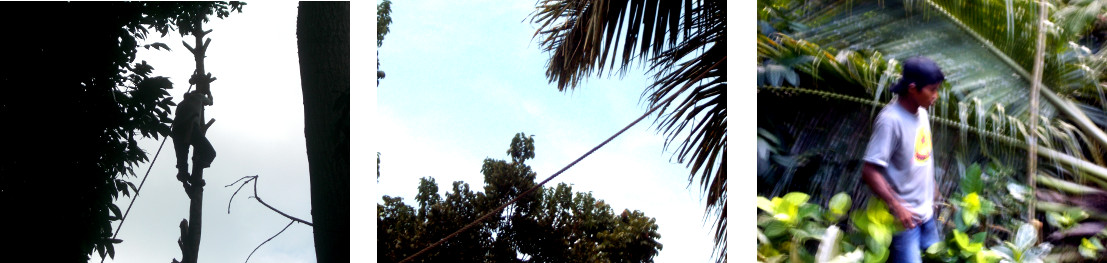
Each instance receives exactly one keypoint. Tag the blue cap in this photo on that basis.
(919, 70)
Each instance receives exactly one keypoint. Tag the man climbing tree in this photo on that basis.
(189, 130)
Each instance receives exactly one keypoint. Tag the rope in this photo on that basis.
(124, 219)
(513, 200)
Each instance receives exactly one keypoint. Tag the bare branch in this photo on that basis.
(248, 178)
(270, 238)
(274, 209)
(254, 178)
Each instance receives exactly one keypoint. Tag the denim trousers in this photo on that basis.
(908, 245)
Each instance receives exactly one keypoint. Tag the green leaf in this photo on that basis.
(809, 211)
(839, 205)
(765, 205)
(961, 238)
(796, 198)
(775, 229)
(937, 248)
(1087, 249)
(972, 182)
(1026, 237)
(979, 237)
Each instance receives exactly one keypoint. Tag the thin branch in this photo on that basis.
(254, 178)
(270, 238)
(248, 179)
(274, 209)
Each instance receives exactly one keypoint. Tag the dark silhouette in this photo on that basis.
(189, 130)
(323, 41)
(74, 104)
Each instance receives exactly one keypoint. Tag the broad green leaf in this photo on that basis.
(775, 229)
(765, 205)
(961, 238)
(809, 211)
(839, 205)
(937, 248)
(1003, 252)
(796, 198)
(1026, 236)
(971, 182)
(1057, 220)
(1087, 249)
(986, 256)
(880, 234)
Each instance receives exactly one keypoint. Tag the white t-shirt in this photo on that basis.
(901, 144)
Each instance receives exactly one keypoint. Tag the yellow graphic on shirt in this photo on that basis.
(923, 145)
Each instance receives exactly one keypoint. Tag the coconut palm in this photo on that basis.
(684, 45)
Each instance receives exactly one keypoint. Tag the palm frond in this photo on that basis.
(684, 42)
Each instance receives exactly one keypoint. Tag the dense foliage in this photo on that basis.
(554, 224)
(75, 102)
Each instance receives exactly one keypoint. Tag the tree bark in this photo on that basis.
(323, 41)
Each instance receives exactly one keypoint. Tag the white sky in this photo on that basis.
(259, 131)
(463, 78)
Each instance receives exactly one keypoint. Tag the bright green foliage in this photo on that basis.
(1023, 248)
(877, 226)
(1090, 248)
(839, 205)
(972, 204)
(553, 224)
(1066, 219)
(789, 225)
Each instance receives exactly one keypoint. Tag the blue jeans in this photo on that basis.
(908, 246)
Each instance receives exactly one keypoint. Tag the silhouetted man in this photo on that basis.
(189, 130)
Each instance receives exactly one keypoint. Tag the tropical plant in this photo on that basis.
(789, 229)
(1023, 250)
(684, 44)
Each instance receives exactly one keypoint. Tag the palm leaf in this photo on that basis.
(684, 42)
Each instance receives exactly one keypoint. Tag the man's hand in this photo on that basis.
(870, 174)
(906, 218)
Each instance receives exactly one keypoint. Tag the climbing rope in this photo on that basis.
(528, 191)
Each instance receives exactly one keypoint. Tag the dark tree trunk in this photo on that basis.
(323, 39)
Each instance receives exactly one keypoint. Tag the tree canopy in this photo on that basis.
(74, 104)
(555, 224)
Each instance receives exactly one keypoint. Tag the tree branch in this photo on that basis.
(254, 178)
(270, 238)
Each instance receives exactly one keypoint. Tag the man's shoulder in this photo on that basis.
(890, 112)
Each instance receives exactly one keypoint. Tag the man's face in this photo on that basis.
(926, 95)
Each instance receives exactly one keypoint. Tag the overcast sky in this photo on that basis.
(259, 131)
(463, 78)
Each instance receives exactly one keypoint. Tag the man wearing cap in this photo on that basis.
(899, 162)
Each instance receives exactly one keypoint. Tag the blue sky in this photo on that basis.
(463, 78)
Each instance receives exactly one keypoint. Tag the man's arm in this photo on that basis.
(870, 174)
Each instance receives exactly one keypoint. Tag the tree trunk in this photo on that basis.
(323, 40)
